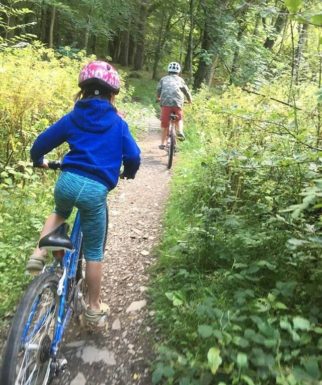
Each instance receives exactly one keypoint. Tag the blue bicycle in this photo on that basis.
(31, 356)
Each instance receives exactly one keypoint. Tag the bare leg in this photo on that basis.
(54, 220)
(180, 125)
(94, 273)
(164, 135)
(179, 128)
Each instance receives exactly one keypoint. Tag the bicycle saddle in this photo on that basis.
(57, 239)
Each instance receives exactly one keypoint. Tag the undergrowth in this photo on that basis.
(37, 87)
(237, 289)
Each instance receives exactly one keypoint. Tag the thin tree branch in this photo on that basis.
(278, 101)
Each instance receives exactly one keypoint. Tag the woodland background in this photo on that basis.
(237, 289)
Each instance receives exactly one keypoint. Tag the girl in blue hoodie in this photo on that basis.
(99, 142)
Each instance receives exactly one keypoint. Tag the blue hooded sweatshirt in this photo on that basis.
(99, 141)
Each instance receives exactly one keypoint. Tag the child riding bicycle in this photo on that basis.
(171, 92)
(99, 141)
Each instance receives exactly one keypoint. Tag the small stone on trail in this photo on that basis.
(135, 306)
(143, 289)
(116, 324)
(79, 380)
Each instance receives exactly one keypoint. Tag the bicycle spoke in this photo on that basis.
(31, 371)
(43, 318)
(21, 378)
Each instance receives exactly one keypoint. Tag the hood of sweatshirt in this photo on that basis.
(94, 115)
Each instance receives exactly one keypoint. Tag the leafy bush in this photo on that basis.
(237, 290)
(38, 86)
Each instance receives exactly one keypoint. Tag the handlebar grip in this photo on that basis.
(54, 165)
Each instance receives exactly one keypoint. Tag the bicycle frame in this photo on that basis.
(70, 262)
(69, 265)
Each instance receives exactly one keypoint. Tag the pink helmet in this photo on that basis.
(99, 72)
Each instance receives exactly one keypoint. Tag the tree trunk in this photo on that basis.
(132, 50)
(93, 44)
(161, 42)
(211, 73)
(278, 27)
(125, 44)
(43, 23)
(182, 41)
(157, 54)
(299, 50)
(203, 66)
(51, 28)
(242, 24)
(139, 56)
(188, 60)
(87, 32)
(117, 49)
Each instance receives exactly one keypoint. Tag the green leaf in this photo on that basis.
(301, 323)
(247, 380)
(320, 344)
(176, 298)
(157, 375)
(214, 359)
(312, 367)
(317, 19)
(280, 306)
(205, 331)
(168, 371)
(293, 5)
(240, 341)
(242, 360)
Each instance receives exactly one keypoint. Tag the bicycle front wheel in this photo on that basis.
(27, 358)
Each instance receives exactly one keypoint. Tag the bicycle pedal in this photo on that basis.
(62, 364)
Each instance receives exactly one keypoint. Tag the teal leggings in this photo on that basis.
(89, 197)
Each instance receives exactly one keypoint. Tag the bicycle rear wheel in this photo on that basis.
(26, 359)
(171, 148)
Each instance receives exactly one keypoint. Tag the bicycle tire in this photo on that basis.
(171, 149)
(27, 311)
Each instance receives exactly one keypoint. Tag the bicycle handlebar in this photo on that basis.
(56, 164)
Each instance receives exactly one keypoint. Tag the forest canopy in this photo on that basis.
(233, 41)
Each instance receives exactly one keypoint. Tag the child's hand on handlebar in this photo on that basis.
(44, 164)
(41, 163)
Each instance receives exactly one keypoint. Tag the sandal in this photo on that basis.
(97, 318)
(162, 147)
(36, 263)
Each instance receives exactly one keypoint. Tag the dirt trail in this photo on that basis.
(121, 356)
